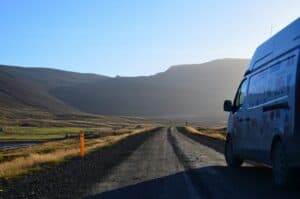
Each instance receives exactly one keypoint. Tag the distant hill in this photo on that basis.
(50, 78)
(29, 87)
(183, 91)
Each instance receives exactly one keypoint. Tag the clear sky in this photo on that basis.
(135, 37)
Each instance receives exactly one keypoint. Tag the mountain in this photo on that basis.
(50, 78)
(183, 91)
(29, 87)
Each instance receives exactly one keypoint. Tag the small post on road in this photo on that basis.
(81, 144)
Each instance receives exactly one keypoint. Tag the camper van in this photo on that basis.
(264, 120)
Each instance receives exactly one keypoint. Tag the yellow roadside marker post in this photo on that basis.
(81, 144)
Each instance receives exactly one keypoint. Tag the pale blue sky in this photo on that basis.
(135, 37)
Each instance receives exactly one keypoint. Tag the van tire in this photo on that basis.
(231, 159)
(280, 164)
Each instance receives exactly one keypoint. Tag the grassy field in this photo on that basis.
(19, 134)
(17, 162)
(57, 136)
(20, 125)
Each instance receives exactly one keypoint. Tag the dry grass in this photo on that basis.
(216, 133)
(54, 152)
(30, 125)
(25, 117)
(26, 125)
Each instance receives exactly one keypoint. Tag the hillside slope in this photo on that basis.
(29, 87)
(50, 78)
(183, 91)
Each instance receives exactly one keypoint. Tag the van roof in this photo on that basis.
(285, 40)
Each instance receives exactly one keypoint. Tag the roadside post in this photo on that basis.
(81, 140)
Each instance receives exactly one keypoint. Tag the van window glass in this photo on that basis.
(257, 87)
(241, 95)
(271, 83)
(280, 80)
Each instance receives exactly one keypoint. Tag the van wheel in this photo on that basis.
(231, 159)
(280, 165)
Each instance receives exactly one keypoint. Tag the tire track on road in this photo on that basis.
(194, 176)
(151, 171)
(220, 181)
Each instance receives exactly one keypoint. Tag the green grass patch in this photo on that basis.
(17, 133)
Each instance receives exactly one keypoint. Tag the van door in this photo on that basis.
(257, 118)
(239, 116)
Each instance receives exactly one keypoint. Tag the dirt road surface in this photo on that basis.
(171, 164)
(166, 163)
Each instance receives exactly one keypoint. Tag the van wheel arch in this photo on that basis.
(231, 159)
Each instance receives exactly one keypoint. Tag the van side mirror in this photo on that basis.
(227, 106)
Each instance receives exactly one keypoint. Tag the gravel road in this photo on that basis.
(171, 164)
(166, 163)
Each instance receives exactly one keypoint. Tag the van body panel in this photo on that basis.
(279, 44)
(271, 107)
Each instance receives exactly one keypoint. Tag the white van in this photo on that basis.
(264, 121)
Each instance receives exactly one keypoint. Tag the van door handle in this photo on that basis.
(241, 120)
(284, 105)
(247, 119)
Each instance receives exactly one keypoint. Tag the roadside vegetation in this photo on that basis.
(216, 133)
(17, 133)
(54, 138)
(37, 126)
(16, 162)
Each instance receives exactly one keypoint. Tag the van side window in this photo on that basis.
(241, 95)
(280, 80)
(257, 88)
